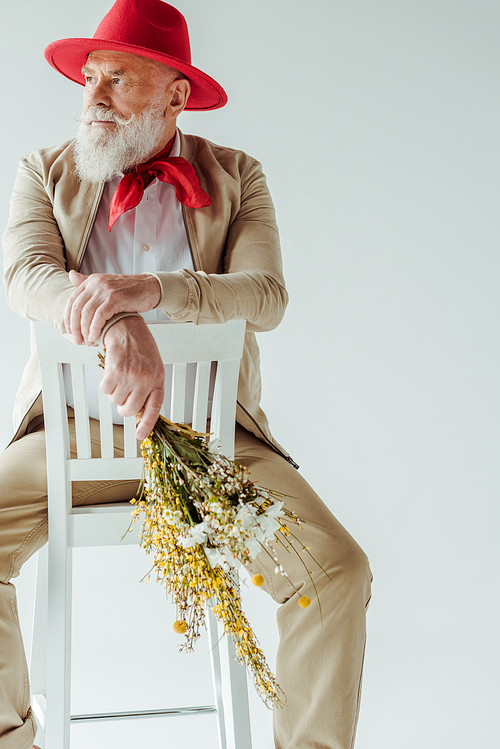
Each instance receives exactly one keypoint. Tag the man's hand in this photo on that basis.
(134, 376)
(100, 296)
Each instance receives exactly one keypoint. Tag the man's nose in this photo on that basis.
(98, 94)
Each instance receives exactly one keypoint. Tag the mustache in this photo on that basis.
(104, 114)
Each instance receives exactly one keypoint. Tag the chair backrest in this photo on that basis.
(211, 349)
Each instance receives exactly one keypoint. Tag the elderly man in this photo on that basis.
(134, 221)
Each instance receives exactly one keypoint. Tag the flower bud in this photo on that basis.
(258, 580)
(180, 627)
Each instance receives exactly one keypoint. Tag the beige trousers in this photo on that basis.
(319, 664)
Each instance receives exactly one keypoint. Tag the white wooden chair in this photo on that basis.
(105, 525)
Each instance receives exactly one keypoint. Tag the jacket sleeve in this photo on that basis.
(36, 281)
(251, 285)
(35, 253)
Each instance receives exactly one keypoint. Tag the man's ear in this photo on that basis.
(180, 91)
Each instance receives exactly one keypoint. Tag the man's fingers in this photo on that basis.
(67, 313)
(86, 315)
(138, 400)
(110, 384)
(96, 322)
(80, 307)
(134, 404)
(120, 396)
(92, 320)
(75, 317)
(71, 314)
(132, 399)
(89, 314)
(98, 297)
(150, 414)
(77, 278)
(134, 375)
(73, 310)
(72, 320)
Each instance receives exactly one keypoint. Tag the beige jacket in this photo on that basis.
(234, 243)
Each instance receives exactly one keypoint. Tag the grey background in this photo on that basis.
(377, 124)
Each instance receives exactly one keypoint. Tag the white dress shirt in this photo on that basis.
(148, 238)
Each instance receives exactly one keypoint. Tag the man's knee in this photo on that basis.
(358, 569)
(347, 565)
(23, 467)
(23, 503)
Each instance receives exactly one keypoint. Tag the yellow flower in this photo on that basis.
(258, 580)
(180, 627)
(304, 602)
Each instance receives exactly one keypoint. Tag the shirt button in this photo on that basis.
(144, 247)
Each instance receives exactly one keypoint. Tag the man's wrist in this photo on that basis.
(153, 289)
(119, 325)
(174, 292)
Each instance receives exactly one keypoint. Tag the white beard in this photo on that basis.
(102, 154)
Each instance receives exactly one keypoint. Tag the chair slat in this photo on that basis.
(167, 400)
(129, 438)
(178, 397)
(224, 405)
(185, 343)
(82, 428)
(107, 529)
(105, 468)
(54, 402)
(189, 342)
(201, 388)
(105, 423)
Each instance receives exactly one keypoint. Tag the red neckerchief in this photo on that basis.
(174, 170)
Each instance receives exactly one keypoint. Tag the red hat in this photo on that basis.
(149, 28)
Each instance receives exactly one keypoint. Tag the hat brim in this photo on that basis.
(68, 56)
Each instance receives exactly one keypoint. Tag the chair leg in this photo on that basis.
(38, 665)
(59, 647)
(230, 687)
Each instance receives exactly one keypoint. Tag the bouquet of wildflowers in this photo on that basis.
(202, 518)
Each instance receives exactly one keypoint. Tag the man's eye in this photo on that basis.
(116, 80)
(88, 79)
